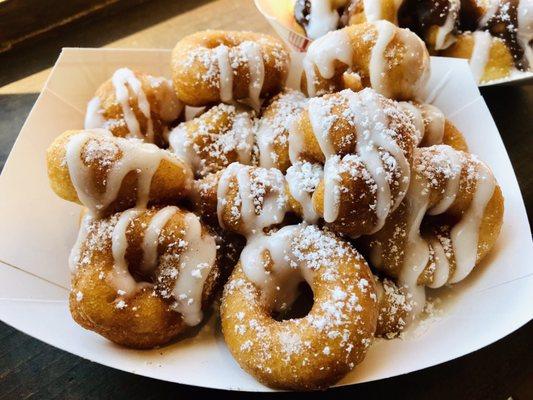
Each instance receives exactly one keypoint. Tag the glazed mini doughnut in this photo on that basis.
(141, 277)
(350, 154)
(447, 222)
(365, 142)
(432, 127)
(108, 174)
(318, 349)
(393, 61)
(489, 56)
(134, 105)
(210, 142)
(222, 66)
(272, 133)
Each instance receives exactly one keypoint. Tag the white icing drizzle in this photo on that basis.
(429, 122)
(323, 53)
(319, 111)
(303, 179)
(75, 253)
(489, 13)
(373, 10)
(196, 263)
(416, 117)
(125, 80)
(296, 143)
(377, 67)
(256, 68)
(434, 124)
(225, 72)
(372, 134)
(464, 235)
(274, 204)
(151, 237)
(182, 145)
(452, 183)
(441, 272)
(93, 116)
(322, 19)
(278, 285)
(144, 158)
(480, 53)
(444, 38)
(332, 190)
(274, 127)
(120, 277)
(525, 28)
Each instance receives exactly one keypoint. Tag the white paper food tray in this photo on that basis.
(278, 12)
(37, 230)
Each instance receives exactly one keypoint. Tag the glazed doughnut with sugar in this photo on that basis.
(108, 174)
(350, 154)
(272, 129)
(318, 349)
(215, 139)
(134, 105)
(223, 66)
(447, 222)
(393, 61)
(141, 277)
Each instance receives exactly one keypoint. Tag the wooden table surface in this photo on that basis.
(31, 369)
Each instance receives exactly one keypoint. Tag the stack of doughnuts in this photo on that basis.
(495, 35)
(269, 197)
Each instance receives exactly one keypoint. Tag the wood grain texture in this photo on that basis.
(30, 369)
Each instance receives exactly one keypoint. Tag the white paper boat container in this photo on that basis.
(37, 230)
(279, 14)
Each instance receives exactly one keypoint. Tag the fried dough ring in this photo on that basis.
(112, 174)
(310, 352)
(134, 105)
(128, 289)
(254, 65)
(215, 139)
(391, 60)
(448, 221)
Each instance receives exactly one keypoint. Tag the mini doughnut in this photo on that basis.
(273, 127)
(134, 105)
(223, 66)
(141, 277)
(393, 61)
(366, 143)
(210, 142)
(448, 221)
(108, 174)
(303, 353)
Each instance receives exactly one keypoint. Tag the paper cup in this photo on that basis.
(279, 13)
